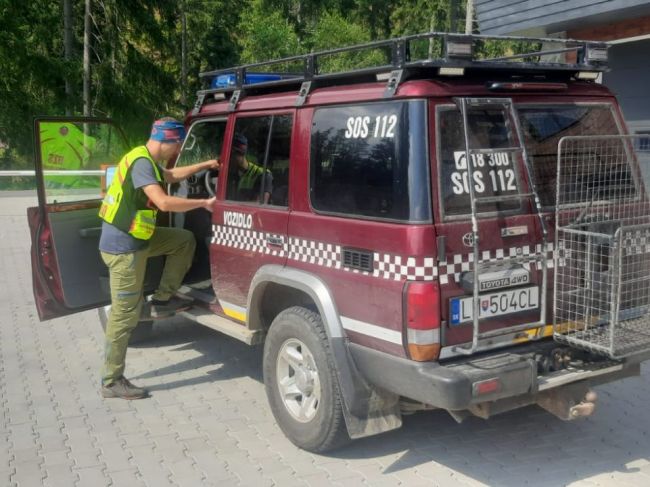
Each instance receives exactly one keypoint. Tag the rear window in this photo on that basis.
(494, 174)
(544, 125)
(371, 161)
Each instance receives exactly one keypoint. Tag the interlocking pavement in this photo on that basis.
(208, 422)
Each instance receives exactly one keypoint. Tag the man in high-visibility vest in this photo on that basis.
(130, 236)
(249, 176)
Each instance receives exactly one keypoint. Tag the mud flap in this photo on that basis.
(368, 410)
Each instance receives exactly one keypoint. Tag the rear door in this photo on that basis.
(510, 293)
(71, 159)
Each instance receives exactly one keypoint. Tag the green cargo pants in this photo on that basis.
(126, 273)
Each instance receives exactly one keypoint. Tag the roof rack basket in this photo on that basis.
(431, 53)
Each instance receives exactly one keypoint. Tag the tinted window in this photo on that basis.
(370, 160)
(544, 125)
(259, 160)
(495, 174)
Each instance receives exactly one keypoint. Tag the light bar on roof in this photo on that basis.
(588, 75)
(458, 47)
(596, 55)
(450, 71)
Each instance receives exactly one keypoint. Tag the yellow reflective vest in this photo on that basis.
(126, 207)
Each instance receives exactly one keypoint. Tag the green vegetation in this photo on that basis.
(145, 56)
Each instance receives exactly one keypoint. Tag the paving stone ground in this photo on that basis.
(208, 422)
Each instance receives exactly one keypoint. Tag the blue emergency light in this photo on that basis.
(226, 80)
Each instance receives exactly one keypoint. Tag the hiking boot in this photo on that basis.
(123, 389)
(163, 309)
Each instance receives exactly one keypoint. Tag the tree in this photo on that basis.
(68, 45)
(334, 31)
(266, 35)
(33, 69)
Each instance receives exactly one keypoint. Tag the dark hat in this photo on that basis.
(240, 143)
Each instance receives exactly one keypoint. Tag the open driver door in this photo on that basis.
(71, 156)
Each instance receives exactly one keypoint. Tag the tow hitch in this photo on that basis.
(569, 402)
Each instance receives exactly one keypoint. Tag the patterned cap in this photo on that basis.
(240, 143)
(169, 131)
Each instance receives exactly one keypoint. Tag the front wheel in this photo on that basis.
(301, 383)
(140, 334)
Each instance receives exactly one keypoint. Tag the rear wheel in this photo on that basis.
(301, 383)
(140, 334)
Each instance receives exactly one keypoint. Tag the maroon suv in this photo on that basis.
(396, 250)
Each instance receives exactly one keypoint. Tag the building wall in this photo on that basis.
(629, 64)
(506, 17)
(604, 20)
(628, 79)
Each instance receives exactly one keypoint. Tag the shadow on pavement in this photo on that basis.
(231, 358)
(524, 447)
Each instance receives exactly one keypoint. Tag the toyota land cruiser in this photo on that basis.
(444, 230)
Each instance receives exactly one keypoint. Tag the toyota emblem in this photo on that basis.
(468, 239)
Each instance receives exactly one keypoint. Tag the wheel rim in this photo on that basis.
(298, 380)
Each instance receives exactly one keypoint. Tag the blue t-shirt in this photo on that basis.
(114, 240)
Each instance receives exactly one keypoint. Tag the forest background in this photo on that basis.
(135, 60)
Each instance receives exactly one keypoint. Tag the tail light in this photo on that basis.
(422, 301)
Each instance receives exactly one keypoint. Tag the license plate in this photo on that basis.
(494, 304)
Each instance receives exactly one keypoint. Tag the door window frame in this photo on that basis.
(230, 134)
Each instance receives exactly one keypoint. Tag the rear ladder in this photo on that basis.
(537, 257)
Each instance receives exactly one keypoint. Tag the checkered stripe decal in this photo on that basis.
(465, 262)
(244, 239)
(386, 266)
(396, 267)
(319, 253)
(637, 242)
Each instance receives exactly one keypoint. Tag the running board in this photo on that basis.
(197, 293)
(224, 325)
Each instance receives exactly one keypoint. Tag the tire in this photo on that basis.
(301, 383)
(141, 334)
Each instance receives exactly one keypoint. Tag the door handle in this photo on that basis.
(90, 232)
(274, 241)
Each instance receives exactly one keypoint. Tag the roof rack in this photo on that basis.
(443, 54)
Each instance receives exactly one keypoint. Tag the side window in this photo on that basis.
(74, 157)
(371, 161)
(204, 141)
(258, 170)
(495, 174)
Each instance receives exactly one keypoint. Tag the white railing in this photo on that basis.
(55, 172)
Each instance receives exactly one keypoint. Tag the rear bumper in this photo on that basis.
(452, 387)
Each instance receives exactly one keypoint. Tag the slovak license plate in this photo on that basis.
(494, 304)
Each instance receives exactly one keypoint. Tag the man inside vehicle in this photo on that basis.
(130, 236)
(249, 176)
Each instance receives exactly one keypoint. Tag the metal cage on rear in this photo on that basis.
(602, 261)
